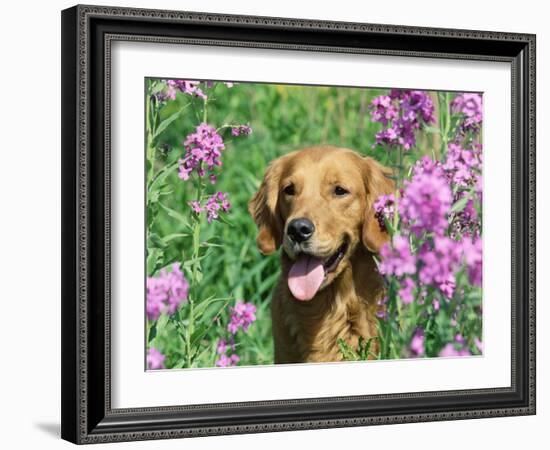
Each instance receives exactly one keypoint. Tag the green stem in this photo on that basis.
(445, 121)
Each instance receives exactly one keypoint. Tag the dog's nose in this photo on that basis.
(300, 230)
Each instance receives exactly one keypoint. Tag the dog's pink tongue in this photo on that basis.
(305, 277)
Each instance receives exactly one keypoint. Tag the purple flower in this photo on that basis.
(451, 350)
(381, 310)
(196, 206)
(155, 359)
(166, 292)
(401, 113)
(439, 264)
(397, 259)
(417, 343)
(203, 150)
(186, 87)
(471, 107)
(242, 316)
(228, 361)
(406, 291)
(214, 204)
(426, 199)
(383, 110)
(168, 93)
(463, 166)
(241, 130)
(473, 256)
(478, 344)
(384, 208)
(224, 359)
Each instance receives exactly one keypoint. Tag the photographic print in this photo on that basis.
(310, 224)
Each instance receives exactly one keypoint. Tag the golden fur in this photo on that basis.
(346, 303)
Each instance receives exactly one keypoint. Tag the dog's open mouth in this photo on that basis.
(308, 272)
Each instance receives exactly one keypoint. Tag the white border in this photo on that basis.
(133, 387)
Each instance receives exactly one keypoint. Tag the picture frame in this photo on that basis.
(88, 33)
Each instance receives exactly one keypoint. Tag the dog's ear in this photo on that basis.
(263, 209)
(377, 183)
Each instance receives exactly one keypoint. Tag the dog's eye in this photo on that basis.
(289, 190)
(340, 191)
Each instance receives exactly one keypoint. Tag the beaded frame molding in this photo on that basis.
(87, 34)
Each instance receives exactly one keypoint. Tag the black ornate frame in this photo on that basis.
(87, 33)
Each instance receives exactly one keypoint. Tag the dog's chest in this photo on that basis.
(315, 332)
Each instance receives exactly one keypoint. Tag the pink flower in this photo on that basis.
(439, 264)
(397, 259)
(242, 316)
(401, 113)
(470, 105)
(155, 359)
(228, 361)
(166, 292)
(203, 150)
(241, 130)
(186, 87)
(417, 343)
(196, 206)
(426, 199)
(384, 207)
(478, 344)
(450, 350)
(473, 255)
(406, 291)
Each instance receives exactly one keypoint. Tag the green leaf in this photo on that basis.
(199, 333)
(158, 182)
(176, 215)
(460, 204)
(153, 332)
(223, 218)
(201, 308)
(346, 351)
(157, 87)
(432, 130)
(155, 241)
(166, 122)
(154, 260)
(174, 236)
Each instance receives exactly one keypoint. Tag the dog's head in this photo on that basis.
(318, 204)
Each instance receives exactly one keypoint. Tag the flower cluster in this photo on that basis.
(241, 130)
(439, 262)
(473, 254)
(224, 358)
(166, 292)
(203, 150)
(417, 343)
(426, 200)
(456, 348)
(384, 210)
(463, 166)
(213, 205)
(155, 359)
(434, 258)
(242, 316)
(401, 113)
(188, 87)
(397, 259)
(471, 108)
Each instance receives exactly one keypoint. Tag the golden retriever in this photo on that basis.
(317, 203)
